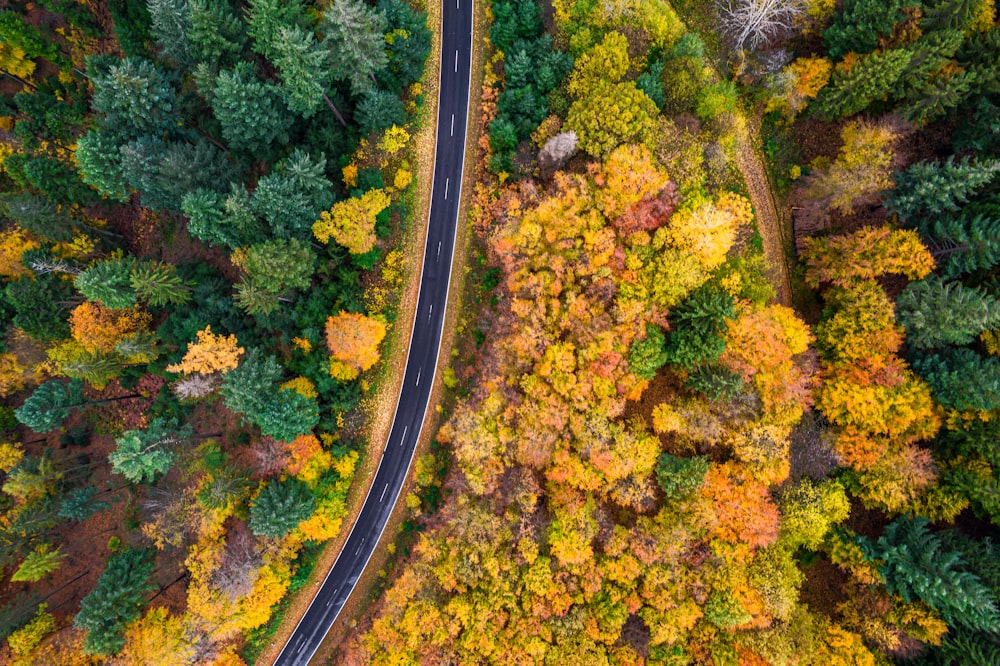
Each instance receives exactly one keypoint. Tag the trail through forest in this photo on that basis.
(772, 227)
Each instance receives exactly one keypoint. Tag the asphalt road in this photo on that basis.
(425, 340)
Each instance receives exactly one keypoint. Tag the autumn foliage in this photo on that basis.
(208, 354)
(353, 341)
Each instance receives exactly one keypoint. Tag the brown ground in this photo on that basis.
(774, 223)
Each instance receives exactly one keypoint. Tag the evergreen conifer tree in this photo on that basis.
(936, 313)
(932, 188)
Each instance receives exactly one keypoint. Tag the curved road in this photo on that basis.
(425, 340)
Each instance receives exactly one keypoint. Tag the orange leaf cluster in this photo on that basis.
(353, 341)
(98, 328)
(209, 353)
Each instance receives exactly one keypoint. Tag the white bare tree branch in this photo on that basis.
(750, 24)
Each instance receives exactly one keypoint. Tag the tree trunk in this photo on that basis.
(340, 118)
(19, 80)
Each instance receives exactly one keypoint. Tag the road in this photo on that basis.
(425, 340)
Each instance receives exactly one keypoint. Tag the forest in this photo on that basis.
(203, 207)
(656, 458)
(652, 452)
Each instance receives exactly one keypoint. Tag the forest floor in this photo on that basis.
(773, 222)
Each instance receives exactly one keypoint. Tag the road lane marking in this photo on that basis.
(453, 124)
(418, 376)
(383, 493)
(439, 248)
(446, 181)
(456, 60)
(404, 431)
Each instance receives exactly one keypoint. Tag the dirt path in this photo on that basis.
(773, 225)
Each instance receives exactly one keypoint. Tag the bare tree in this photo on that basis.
(241, 559)
(750, 24)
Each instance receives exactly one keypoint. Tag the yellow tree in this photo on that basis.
(867, 253)
(862, 168)
(353, 341)
(352, 222)
(210, 353)
(13, 244)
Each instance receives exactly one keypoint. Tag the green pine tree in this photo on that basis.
(143, 455)
(305, 69)
(354, 34)
(915, 564)
(697, 326)
(251, 113)
(158, 284)
(859, 24)
(870, 80)
(109, 282)
(936, 313)
(964, 244)
(961, 378)
(932, 188)
(116, 600)
(280, 507)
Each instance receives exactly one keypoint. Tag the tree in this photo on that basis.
(353, 341)
(109, 282)
(39, 305)
(266, 18)
(799, 82)
(697, 326)
(607, 115)
(99, 161)
(932, 188)
(171, 26)
(115, 601)
(354, 36)
(23, 641)
(351, 222)
(159, 638)
(859, 25)
(293, 195)
(209, 354)
(866, 253)
(754, 23)
(49, 405)
(272, 268)
(861, 169)
(286, 415)
(143, 455)
(250, 390)
(158, 284)
(647, 355)
(809, 510)
(679, 478)
(305, 69)
(961, 378)
(216, 33)
(379, 110)
(39, 563)
(280, 507)
(915, 564)
(135, 97)
(858, 82)
(935, 313)
(251, 113)
(407, 46)
(98, 329)
(964, 244)
(80, 504)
